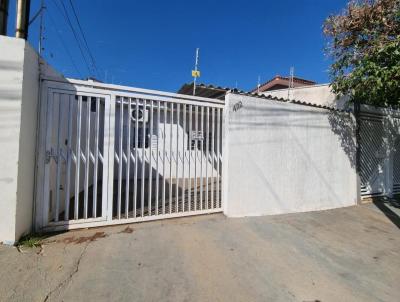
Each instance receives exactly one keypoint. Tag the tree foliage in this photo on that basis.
(365, 47)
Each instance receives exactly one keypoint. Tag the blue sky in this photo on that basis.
(151, 44)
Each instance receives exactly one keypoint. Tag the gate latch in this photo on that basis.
(51, 154)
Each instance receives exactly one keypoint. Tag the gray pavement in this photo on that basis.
(348, 254)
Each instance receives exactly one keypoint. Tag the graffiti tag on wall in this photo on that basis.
(237, 106)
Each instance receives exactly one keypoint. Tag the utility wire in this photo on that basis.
(84, 38)
(68, 21)
(74, 32)
(65, 46)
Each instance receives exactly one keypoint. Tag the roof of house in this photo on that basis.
(218, 92)
(279, 82)
(205, 91)
(285, 100)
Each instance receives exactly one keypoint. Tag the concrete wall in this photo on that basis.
(19, 84)
(284, 157)
(317, 94)
(11, 78)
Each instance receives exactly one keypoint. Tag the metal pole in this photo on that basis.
(41, 28)
(195, 68)
(290, 82)
(23, 8)
(3, 16)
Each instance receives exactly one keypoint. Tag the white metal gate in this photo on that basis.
(373, 155)
(111, 154)
(379, 152)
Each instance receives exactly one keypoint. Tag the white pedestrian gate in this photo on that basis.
(373, 156)
(112, 154)
(379, 152)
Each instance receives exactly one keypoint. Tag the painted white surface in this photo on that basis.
(11, 78)
(284, 157)
(317, 94)
(19, 84)
(380, 128)
(27, 141)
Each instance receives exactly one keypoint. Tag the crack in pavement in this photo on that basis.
(69, 278)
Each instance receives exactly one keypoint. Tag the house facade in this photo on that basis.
(79, 154)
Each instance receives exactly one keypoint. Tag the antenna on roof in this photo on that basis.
(41, 11)
(291, 84)
(258, 85)
(195, 72)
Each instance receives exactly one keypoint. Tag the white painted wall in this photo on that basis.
(317, 94)
(11, 77)
(284, 157)
(19, 84)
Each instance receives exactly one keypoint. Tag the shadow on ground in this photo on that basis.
(390, 207)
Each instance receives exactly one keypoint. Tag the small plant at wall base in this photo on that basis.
(31, 240)
(364, 43)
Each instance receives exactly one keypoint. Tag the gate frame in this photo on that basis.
(385, 114)
(111, 91)
(41, 205)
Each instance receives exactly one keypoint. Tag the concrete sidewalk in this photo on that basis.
(348, 254)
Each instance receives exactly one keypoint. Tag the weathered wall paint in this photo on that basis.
(317, 94)
(19, 85)
(11, 77)
(285, 157)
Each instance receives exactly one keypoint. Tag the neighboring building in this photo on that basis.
(320, 95)
(218, 92)
(279, 82)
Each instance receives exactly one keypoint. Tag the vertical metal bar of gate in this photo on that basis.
(158, 157)
(135, 179)
(69, 157)
(218, 157)
(78, 157)
(190, 159)
(143, 161)
(96, 155)
(207, 152)
(48, 131)
(87, 159)
(183, 155)
(119, 158)
(196, 120)
(59, 157)
(128, 158)
(177, 160)
(222, 132)
(109, 152)
(150, 159)
(201, 154)
(164, 154)
(212, 157)
(170, 158)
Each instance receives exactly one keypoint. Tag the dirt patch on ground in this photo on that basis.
(83, 239)
(127, 230)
